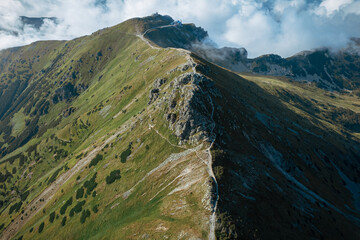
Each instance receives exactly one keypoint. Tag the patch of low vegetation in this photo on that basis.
(60, 154)
(95, 208)
(15, 207)
(54, 175)
(65, 206)
(77, 208)
(80, 193)
(63, 221)
(90, 185)
(95, 160)
(125, 154)
(114, 175)
(85, 214)
(52, 217)
(24, 195)
(41, 227)
(5, 177)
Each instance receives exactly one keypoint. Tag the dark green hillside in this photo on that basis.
(288, 153)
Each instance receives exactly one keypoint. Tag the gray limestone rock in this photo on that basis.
(190, 117)
(153, 95)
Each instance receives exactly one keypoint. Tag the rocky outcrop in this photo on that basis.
(167, 34)
(188, 104)
(153, 95)
(159, 82)
(190, 107)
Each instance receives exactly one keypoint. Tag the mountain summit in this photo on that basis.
(139, 131)
(327, 69)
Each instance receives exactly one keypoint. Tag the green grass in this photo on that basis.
(118, 84)
(18, 122)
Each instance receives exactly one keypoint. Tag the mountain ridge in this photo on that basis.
(311, 66)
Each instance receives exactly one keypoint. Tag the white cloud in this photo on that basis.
(330, 6)
(287, 27)
(261, 26)
(241, 29)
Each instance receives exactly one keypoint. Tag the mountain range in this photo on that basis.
(146, 130)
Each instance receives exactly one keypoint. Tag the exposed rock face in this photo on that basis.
(159, 82)
(156, 20)
(183, 67)
(190, 107)
(188, 102)
(178, 36)
(153, 95)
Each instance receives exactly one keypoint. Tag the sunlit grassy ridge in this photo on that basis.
(112, 71)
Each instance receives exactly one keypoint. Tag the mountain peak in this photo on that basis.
(165, 32)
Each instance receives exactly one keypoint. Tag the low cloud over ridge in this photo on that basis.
(283, 27)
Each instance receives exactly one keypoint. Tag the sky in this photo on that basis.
(282, 27)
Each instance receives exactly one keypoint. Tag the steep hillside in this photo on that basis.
(286, 159)
(80, 122)
(116, 136)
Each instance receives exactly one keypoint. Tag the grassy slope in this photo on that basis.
(119, 86)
